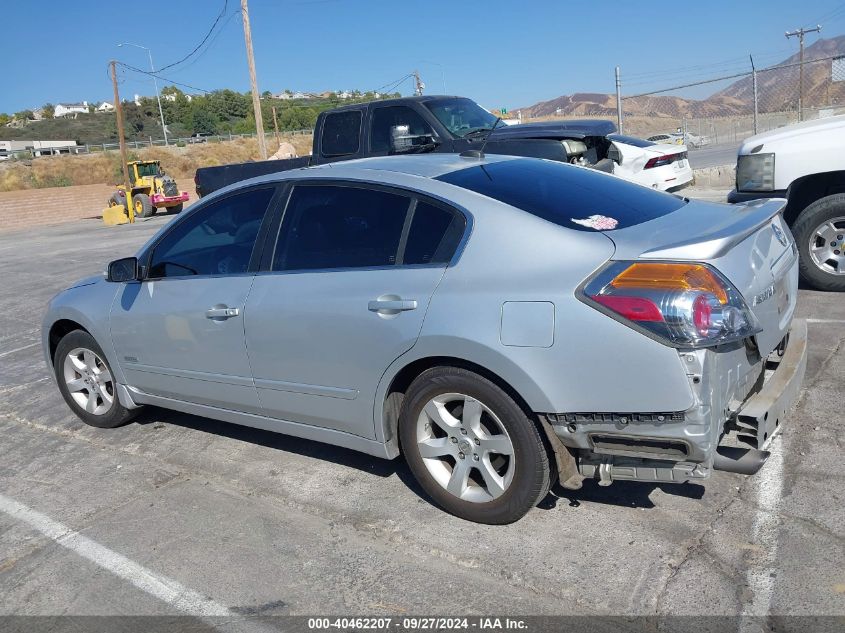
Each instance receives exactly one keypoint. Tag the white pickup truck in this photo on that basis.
(804, 163)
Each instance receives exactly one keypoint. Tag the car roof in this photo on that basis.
(410, 170)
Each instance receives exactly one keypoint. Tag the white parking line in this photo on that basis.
(165, 589)
(768, 484)
(825, 320)
(19, 349)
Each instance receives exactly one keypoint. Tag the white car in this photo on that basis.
(657, 165)
(677, 138)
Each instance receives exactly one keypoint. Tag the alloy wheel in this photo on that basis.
(465, 447)
(89, 381)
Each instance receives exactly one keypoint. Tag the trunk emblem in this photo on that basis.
(779, 234)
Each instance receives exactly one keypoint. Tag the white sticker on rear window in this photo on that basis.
(598, 222)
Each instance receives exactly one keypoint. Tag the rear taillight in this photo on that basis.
(666, 159)
(683, 304)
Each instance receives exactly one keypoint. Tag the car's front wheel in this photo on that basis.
(87, 383)
(471, 447)
(820, 235)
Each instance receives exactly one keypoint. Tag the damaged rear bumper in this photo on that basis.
(677, 447)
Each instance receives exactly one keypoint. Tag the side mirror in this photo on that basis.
(402, 141)
(121, 270)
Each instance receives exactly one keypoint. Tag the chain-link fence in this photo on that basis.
(740, 105)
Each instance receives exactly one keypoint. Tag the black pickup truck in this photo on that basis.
(428, 124)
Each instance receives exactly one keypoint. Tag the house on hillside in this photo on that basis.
(64, 109)
(105, 106)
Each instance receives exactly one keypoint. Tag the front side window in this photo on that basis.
(462, 117)
(341, 131)
(327, 226)
(385, 119)
(217, 240)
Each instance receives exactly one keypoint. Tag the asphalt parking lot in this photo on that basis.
(175, 514)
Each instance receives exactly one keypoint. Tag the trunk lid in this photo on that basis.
(749, 244)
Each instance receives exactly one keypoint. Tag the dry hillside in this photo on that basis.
(104, 167)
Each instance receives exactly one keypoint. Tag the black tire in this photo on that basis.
(531, 475)
(816, 214)
(115, 415)
(143, 206)
(176, 208)
(115, 200)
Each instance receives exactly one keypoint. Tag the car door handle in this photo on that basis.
(392, 305)
(221, 313)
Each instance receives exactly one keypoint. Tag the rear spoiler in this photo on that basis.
(751, 216)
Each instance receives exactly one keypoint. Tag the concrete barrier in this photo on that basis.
(41, 207)
(715, 177)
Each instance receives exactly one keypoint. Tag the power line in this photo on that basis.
(207, 35)
(210, 43)
(156, 75)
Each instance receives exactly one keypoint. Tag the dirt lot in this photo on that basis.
(176, 514)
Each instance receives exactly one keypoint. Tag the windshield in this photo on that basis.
(461, 116)
(148, 169)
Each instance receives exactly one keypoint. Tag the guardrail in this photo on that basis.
(93, 148)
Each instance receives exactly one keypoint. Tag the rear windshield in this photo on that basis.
(573, 197)
(632, 140)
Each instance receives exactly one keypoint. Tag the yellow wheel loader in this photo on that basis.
(151, 189)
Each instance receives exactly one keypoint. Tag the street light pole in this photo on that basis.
(155, 83)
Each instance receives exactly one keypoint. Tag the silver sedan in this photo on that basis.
(500, 322)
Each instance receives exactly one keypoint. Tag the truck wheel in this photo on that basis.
(143, 206)
(176, 208)
(471, 447)
(819, 233)
(115, 200)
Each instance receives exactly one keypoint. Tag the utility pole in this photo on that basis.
(118, 109)
(618, 100)
(754, 87)
(256, 98)
(418, 84)
(800, 33)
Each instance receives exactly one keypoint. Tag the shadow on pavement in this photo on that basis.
(631, 494)
(276, 441)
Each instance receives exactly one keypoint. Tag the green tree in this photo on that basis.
(48, 111)
(201, 119)
(24, 115)
(133, 119)
(4, 118)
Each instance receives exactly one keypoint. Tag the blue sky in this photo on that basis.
(503, 54)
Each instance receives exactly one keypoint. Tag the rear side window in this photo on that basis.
(340, 227)
(434, 236)
(573, 197)
(341, 132)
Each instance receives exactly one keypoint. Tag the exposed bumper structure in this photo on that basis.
(681, 447)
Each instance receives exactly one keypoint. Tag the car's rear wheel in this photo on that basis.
(87, 383)
(820, 233)
(471, 447)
